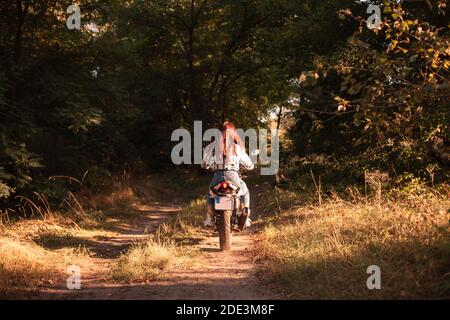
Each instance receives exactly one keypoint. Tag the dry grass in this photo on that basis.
(120, 196)
(323, 251)
(152, 259)
(35, 252)
(186, 226)
(145, 261)
(25, 266)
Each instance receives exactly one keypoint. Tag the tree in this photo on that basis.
(390, 87)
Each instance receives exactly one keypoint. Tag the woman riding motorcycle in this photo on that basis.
(232, 155)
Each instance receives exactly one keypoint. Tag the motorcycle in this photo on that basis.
(228, 213)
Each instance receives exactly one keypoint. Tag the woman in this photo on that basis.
(226, 167)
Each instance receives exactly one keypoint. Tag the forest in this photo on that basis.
(91, 92)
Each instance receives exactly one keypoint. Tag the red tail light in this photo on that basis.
(224, 185)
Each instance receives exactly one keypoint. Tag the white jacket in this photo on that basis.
(215, 161)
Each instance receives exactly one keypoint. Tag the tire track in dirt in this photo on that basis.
(219, 276)
(215, 275)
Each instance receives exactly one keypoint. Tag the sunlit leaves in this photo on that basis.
(392, 83)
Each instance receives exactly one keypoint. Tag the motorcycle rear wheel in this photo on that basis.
(225, 230)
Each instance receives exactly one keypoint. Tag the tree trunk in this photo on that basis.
(19, 31)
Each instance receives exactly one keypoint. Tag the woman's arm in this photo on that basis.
(244, 159)
(208, 157)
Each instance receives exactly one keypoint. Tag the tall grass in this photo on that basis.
(38, 239)
(145, 261)
(186, 226)
(26, 266)
(323, 251)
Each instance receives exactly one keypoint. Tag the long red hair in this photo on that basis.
(230, 137)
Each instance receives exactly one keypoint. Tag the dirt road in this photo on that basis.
(214, 275)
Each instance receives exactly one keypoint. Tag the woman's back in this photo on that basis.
(229, 161)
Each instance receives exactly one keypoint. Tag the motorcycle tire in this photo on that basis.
(225, 230)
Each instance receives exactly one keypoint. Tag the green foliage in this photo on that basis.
(381, 98)
(64, 103)
(73, 101)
